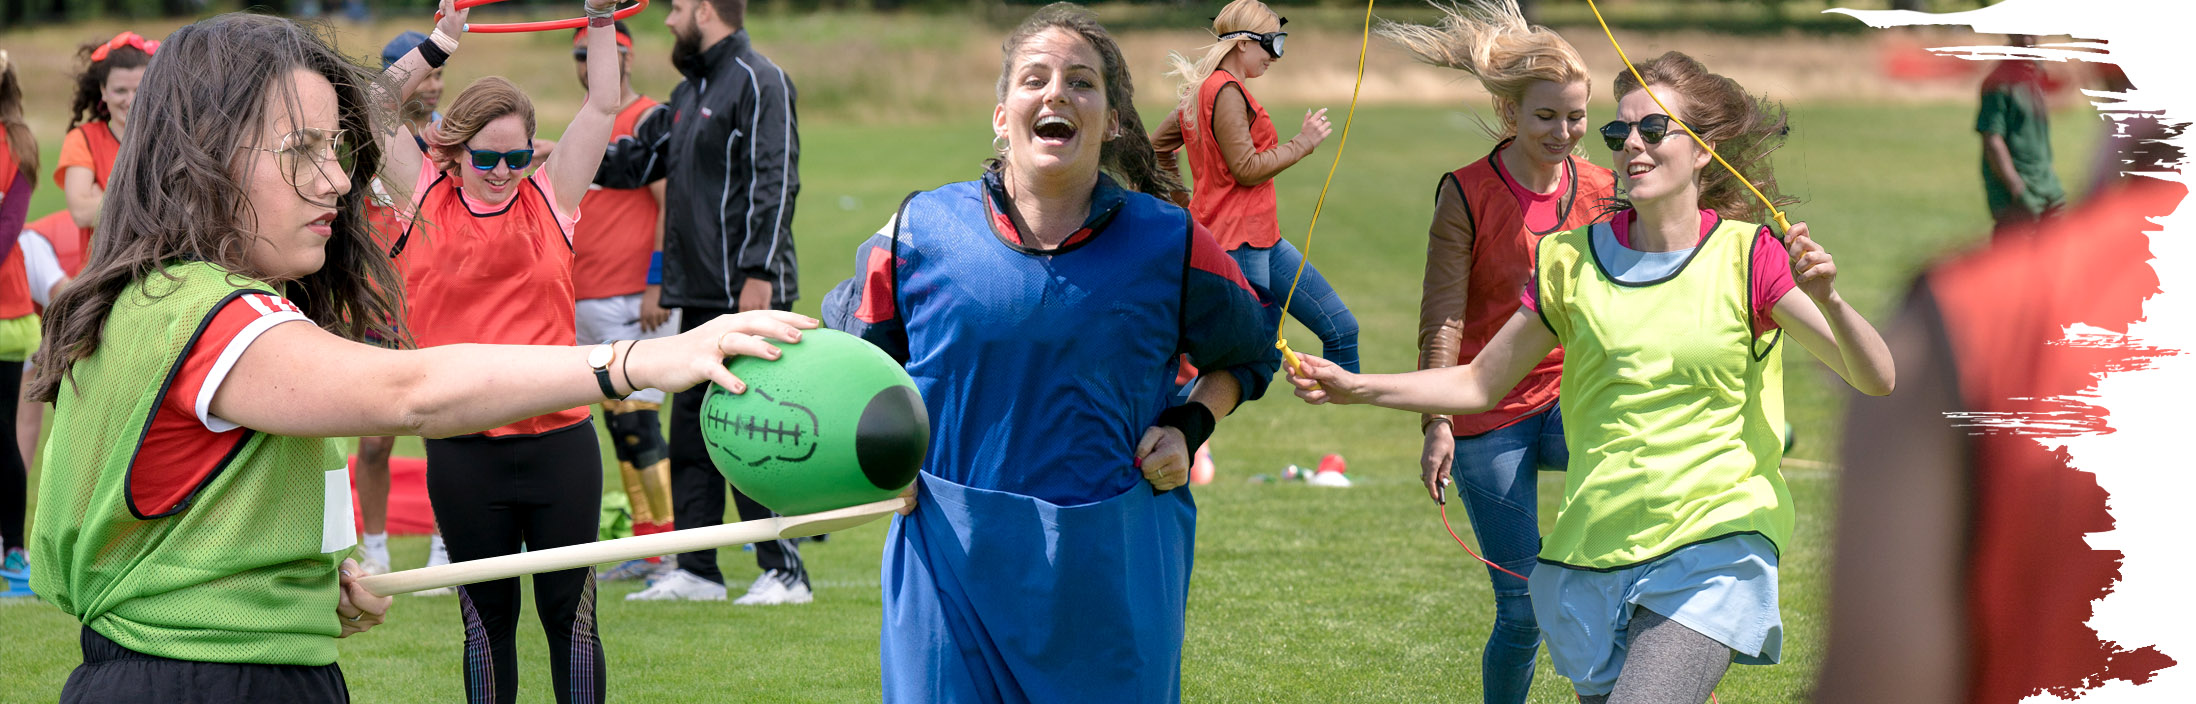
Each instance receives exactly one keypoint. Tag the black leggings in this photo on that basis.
(698, 489)
(14, 477)
(494, 495)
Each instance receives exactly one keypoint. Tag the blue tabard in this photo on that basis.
(1039, 566)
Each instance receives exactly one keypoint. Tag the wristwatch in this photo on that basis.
(598, 359)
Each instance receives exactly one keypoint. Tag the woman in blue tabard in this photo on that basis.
(1040, 310)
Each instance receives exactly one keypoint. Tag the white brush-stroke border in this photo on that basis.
(2145, 465)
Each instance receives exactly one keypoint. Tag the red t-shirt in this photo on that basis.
(1772, 266)
(494, 274)
(185, 441)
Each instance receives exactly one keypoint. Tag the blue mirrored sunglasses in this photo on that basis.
(486, 160)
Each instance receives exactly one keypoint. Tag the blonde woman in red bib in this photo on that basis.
(1234, 154)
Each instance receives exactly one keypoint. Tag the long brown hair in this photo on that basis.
(18, 132)
(90, 104)
(177, 193)
(1744, 129)
(485, 101)
(1128, 156)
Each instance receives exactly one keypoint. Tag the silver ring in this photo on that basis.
(361, 614)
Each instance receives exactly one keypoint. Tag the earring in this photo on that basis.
(999, 144)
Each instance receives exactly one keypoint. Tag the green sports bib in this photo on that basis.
(1673, 410)
(244, 570)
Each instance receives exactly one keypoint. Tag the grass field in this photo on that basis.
(1300, 594)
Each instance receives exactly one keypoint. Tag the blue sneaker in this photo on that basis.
(630, 570)
(15, 575)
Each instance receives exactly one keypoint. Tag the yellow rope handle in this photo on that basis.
(1782, 225)
(1280, 342)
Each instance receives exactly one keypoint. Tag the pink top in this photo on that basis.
(1543, 211)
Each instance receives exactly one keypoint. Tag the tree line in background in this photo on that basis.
(19, 13)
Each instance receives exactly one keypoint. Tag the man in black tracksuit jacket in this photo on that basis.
(729, 150)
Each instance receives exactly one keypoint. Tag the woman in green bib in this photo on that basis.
(1662, 566)
(195, 510)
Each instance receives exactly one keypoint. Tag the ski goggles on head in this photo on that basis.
(1270, 41)
(1652, 129)
(485, 160)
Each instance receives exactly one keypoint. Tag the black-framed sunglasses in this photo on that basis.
(1270, 41)
(1652, 129)
(485, 160)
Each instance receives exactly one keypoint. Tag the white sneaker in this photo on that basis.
(777, 587)
(437, 554)
(680, 585)
(376, 561)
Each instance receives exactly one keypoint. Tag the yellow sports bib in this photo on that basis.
(1672, 409)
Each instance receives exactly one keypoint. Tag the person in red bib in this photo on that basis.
(617, 272)
(1234, 153)
(18, 320)
(1661, 570)
(1489, 216)
(209, 359)
(487, 257)
(1965, 568)
(105, 91)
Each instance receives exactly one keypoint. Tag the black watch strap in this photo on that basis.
(609, 391)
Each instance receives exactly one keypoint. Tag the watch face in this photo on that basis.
(599, 357)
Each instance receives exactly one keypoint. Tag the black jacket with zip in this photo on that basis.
(730, 148)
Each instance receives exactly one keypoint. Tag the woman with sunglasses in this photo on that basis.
(202, 366)
(1234, 153)
(1662, 567)
(1488, 217)
(486, 254)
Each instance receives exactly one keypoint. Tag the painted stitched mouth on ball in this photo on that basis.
(789, 429)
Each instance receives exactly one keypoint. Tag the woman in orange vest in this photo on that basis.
(486, 252)
(1488, 217)
(97, 117)
(1234, 153)
(18, 323)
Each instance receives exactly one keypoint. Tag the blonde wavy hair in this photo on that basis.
(1238, 16)
(1490, 40)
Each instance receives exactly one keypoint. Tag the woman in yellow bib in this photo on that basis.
(1662, 567)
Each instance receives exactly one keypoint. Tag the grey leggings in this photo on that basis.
(1666, 663)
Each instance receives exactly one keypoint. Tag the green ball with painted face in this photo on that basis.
(833, 422)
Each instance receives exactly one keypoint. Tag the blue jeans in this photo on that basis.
(1316, 305)
(1495, 476)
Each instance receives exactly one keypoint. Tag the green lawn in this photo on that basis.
(1300, 594)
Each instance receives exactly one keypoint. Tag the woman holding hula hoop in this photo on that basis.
(1662, 567)
(1488, 217)
(1065, 460)
(197, 512)
(486, 256)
